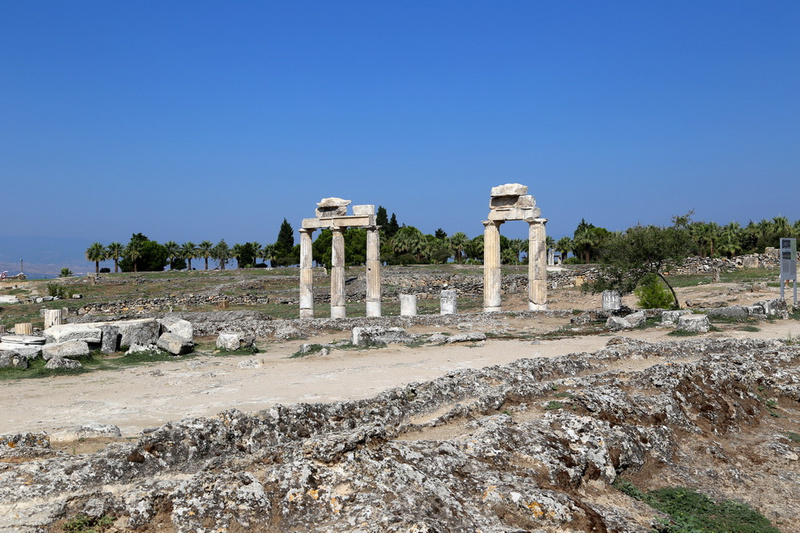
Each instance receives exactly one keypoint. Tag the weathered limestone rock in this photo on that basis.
(408, 305)
(466, 337)
(363, 210)
(141, 331)
(694, 323)
(11, 359)
(235, 341)
(65, 349)
(448, 303)
(57, 363)
(175, 344)
(332, 207)
(509, 189)
(141, 348)
(617, 323)
(110, 339)
(775, 307)
(89, 333)
(670, 318)
(8, 299)
(88, 430)
(378, 336)
(635, 319)
(178, 326)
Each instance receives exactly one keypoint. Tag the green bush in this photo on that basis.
(65, 273)
(58, 291)
(652, 294)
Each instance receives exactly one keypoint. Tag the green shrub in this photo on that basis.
(652, 294)
(65, 273)
(58, 291)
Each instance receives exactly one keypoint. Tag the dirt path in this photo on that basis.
(149, 396)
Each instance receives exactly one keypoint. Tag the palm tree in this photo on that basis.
(564, 247)
(173, 251)
(204, 250)
(189, 252)
(237, 251)
(730, 240)
(268, 253)
(458, 241)
(256, 249)
(114, 251)
(222, 253)
(134, 252)
(96, 252)
(519, 246)
(410, 240)
(781, 228)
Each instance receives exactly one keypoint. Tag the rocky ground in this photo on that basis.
(524, 431)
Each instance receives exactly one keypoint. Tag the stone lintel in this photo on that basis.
(509, 202)
(339, 222)
(363, 210)
(509, 189)
(528, 214)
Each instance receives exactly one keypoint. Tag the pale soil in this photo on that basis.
(148, 396)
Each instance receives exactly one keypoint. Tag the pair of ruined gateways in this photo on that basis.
(508, 202)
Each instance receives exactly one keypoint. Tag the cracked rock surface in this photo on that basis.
(529, 446)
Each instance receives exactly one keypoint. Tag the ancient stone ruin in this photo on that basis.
(332, 214)
(512, 202)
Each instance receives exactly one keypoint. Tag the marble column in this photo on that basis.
(306, 275)
(373, 271)
(492, 276)
(537, 265)
(338, 295)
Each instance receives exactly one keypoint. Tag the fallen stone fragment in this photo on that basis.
(74, 348)
(467, 337)
(694, 323)
(378, 336)
(58, 363)
(12, 359)
(235, 341)
(175, 344)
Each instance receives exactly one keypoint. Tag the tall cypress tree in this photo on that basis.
(285, 242)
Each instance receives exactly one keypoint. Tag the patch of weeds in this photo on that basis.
(649, 323)
(245, 350)
(751, 329)
(719, 319)
(416, 343)
(83, 523)
(794, 313)
(690, 511)
(794, 437)
(553, 405)
(308, 349)
(36, 369)
(682, 333)
(563, 394)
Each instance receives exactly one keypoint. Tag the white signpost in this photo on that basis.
(788, 251)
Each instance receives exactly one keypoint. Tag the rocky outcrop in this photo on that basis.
(530, 446)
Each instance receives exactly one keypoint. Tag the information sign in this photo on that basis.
(788, 251)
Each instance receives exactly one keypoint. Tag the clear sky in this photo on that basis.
(198, 120)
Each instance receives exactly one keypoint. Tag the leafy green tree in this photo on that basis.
(440, 234)
(114, 251)
(381, 218)
(322, 247)
(65, 273)
(588, 241)
(257, 250)
(730, 239)
(96, 252)
(205, 250)
(652, 294)
(188, 252)
(392, 228)
(142, 254)
(640, 251)
(221, 253)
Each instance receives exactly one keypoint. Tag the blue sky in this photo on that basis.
(208, 120)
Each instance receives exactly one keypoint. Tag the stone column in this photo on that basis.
(373, 271)
(306, 275)
(23, 328)
(492, 276)
(408, 305)
(53, 317)
(537, 265)
(612, 301)
(338, 295)
(448, 303)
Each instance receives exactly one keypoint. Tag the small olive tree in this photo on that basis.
(641, 251)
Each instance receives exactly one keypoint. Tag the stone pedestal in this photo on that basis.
(306, 274)
(537, 265)
(338, 295)
(492, 275)
(448, 304)
(612, 301)
(408, 305)
(373, 272)
(53, 317)
(23, 328)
